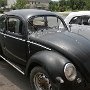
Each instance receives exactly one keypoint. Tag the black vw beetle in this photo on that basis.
(38, 44)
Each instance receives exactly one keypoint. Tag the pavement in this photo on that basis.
(11, 79)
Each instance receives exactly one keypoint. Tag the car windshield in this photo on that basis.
(45, 23)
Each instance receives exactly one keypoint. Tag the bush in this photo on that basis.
(62, 9)
(1, 11)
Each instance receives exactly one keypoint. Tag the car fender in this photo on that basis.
(51, 61)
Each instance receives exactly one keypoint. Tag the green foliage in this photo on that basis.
(1, 10)
(53, 6)
(76, 4)
(64, 5)
(3, 3)
(20, 4)
(87, 7)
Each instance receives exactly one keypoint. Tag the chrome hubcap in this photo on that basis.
(41, 82)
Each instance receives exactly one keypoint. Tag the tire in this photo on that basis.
(39, 80)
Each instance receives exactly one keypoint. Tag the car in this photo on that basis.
(79, 20)
(34, 43)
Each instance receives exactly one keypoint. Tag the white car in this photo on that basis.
(77, 21)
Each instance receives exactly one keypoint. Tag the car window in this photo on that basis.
(44, 22)
(14, 25)
(2, 24)
(54, 22)
(76, 20)
(39, 21)
(85, 20)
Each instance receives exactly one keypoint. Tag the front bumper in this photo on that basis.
(79, 84)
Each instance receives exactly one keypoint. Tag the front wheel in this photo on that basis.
(39, 80)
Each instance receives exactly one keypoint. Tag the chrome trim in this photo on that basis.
(12, 37)
(60, 79)
(12, 65)
(39, 45)
(25, 40)
(75, 72)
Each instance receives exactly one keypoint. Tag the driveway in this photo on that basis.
(11, 79)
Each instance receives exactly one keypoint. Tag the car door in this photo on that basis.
(15, 42)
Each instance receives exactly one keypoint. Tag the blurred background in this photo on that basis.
(52, 5)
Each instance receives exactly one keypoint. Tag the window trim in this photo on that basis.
(13, 16)
(73, 18)
(5, 21)
(24, 31)
(82, 16)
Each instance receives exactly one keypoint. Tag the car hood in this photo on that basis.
(83, 31)
(74, 46)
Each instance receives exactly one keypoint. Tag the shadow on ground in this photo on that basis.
(11, 79)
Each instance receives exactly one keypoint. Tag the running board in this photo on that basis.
(13, 65)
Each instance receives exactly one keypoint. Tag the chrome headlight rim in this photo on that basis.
(73, 74)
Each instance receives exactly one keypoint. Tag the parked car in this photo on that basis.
(78, 20)
(53, 57)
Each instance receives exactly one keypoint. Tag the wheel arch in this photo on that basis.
(31, 66)
(51, 61)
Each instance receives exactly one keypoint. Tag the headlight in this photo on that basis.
(70, 72)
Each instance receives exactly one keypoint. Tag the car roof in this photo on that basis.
(73, 14)
(27, 13)
(79, 13)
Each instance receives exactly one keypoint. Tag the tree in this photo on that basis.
(62, 5)
(3, 3)
(76, 4)
(87, 4)
(20, 4)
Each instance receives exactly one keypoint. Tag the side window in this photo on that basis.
(86, 20)
(76, 20)
(15, 25)
(2, 24)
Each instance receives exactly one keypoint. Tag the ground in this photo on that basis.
(11, 79)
